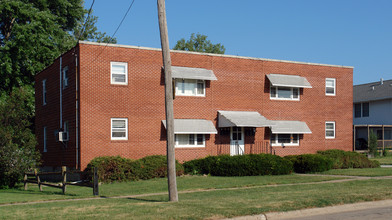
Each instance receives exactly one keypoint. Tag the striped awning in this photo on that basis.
(290, 127)
(288, 81)
(242, 119)
(193, 126)
(179, 72)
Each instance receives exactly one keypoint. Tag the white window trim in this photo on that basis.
(334, 88)
(176, 145)
(65, 77)
(276, 143)
(196, 82)
(126, 73)
(44, 93)
(45, 141)
(334, 130)
(286, 99)
(126, 129)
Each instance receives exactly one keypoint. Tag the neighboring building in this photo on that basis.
(373, 112)
(109, 100)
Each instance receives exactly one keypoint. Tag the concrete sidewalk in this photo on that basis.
(317, 211)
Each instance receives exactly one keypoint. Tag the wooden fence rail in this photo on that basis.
(63, 185)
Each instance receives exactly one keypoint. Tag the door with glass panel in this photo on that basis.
(237, 141)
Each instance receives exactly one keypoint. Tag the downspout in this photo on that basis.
(61, 94)
(77, 110)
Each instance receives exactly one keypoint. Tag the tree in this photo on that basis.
(34, 32)
(17, 142)
(91, 32)
(199, 44)
(373, 144)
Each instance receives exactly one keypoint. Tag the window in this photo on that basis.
(365, 109)
(44, 92)
(45, 144)
(330, 129)
(65, 77)
(190, 87)
(118, 73)
(285, 139)
(361, 110)
(330, 86)
(357, 110)
(284, 93)
(119, 129)
(189, 140)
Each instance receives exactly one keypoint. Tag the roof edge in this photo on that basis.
(211, 54)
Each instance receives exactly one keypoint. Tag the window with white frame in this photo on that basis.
(189, 140)
(119, 129)
(119, 73)
(45, 140)
(65, 77)
(44, 92)
(330, 86)
(284, 93)
(190, 87)
(285, 139)
(330, 129)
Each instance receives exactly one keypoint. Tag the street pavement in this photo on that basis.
(377, 210)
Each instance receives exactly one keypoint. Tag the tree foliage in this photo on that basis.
(373, 144)
(34, 32)
(17, 142)
(199, 43)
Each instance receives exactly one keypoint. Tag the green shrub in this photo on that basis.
(18, 153)
(310, 163)
(240, 165)
(348, 159)
(373, 144)
(116, 168)
(156, 166)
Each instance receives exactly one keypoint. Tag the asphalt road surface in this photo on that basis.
(366, 214)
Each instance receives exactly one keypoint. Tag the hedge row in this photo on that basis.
(348, 159)
(310, 163)
(116, 168)
(240, 165)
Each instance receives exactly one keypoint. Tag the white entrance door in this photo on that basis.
(236, 141)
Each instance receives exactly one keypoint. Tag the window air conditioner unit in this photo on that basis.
(63, 136)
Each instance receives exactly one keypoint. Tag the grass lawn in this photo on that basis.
(152, 186)
(372, 172)
(211, 204)
(384, 160)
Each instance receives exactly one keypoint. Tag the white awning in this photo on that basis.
(193, 126)
(288, 81)
(242, 119)
(290, 127)
(179, 72)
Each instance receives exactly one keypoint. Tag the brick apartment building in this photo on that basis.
(109, 100)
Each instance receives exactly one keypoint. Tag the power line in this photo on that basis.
(118, 27)
(85, 22)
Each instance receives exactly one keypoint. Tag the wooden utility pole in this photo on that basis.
(171, 159)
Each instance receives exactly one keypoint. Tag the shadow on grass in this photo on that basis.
(34, 192)
(149, 200)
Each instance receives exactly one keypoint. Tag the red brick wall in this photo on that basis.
(242, 85)
(49, 115)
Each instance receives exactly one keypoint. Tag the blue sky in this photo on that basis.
(354, 33)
